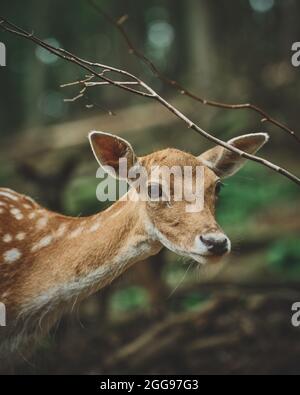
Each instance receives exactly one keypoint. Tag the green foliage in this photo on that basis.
(193, 301)
(129, 299)
(284, 256)
(80, 197)
(6, 174)
(250, 191)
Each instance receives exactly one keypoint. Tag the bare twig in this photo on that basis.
(86, 83)
(147, 92)
(82, 94)
(184, 91)
(73, 99)
(88, 78)
(89, 84)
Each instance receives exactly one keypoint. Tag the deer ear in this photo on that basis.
(109, 149)
(226, 163)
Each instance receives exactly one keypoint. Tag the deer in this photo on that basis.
(49, 262)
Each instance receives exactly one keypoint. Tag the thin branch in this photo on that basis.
(86, 83)
(148, 92)
(184, 91)
(82, 94)
(90, 84)
(11, 28)
(87, 79)
(75, 98)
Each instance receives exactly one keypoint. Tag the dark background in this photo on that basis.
(236, 321)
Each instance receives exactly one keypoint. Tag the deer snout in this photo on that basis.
(216, 243)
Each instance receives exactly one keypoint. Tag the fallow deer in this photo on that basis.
(49, 262)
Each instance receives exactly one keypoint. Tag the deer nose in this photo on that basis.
(216, 243)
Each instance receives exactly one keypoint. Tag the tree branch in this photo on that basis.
(118, 24)
(146, 92)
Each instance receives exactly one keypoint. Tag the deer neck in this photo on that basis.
(120, 240)
(92, 254)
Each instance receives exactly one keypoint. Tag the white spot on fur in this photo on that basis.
(21, 236)
(17, 214)
(61, 230)
(41, 223)
(12, 255)
(44, 242)
(7, 238)
(32, 215)
(9, 196)
(77, 232)
(94, 228)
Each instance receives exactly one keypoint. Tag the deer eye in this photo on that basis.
(219, 187)
(155, 191)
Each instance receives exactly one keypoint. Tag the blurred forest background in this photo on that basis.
(157, 318)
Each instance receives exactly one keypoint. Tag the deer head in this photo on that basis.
(194, 234)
